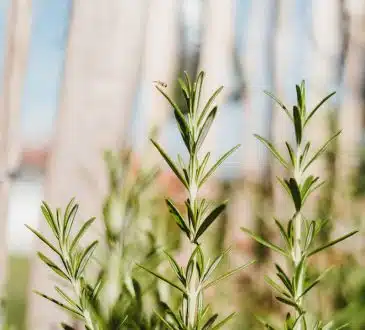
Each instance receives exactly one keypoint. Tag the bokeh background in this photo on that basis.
(77, 79)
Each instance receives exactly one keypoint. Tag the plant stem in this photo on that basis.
(192, 295)
(193, 286)
(298, 176)
(87, 317)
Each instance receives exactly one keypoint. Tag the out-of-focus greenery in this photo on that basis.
(17, 289)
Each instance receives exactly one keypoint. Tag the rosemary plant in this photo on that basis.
(129, 238)
(73, 261)
(117, 299)
(193, 279)
(300, 234)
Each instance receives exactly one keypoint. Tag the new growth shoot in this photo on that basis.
(194, 123)
(299, 234)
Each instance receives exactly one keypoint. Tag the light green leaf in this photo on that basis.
(264, 242)
(332, 243)
(281, 104)
(178, 217)
(43, 239)
(223, 322)
(321, 150)
(228, 274)
(81, 232)
(170, 163)
(273, 150)
(215, 166)
(162, 278)
(205, 128)
(68, 308)
(53, 266)
(208, 105)
(317, 107)
(209, 220)
(176, 268)
(47, 213)
(84, 259)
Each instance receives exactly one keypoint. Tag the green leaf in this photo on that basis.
(170, 163)
(302, 89)
(205, 128)
(178, 217)
(281, 181)
(223, 322)
(43, 239)
(289, 302)
(67, 298)
(228, 274)
(300, 99)
(281, 104)
(276, 286)
(47, 213)
(187, 78)
(264, 242)
(67, 327)
(297, 124)
(53, 266)
(69, 219)
(208, 105)
(68, 308)
(162, 278)
(202, 166)
(304, 154)
(317, 107)
(84, 259)
(284, 279)
(208, 325)
(178, 112)
(209, 220)
(215, 166)
(332, 243)
(308, 288)
(81, 232)
(321, 150)
(214, 265)
(185, 90)
(299, 273)
(180, 118)
(273, 150)
(283, 233)
(310, 235)
(295, 193)
(308, 183)
(167, 324)
(176, 268)
(291, 153)
(198, 90)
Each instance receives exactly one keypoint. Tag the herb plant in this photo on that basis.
(299, 234)
(116, 299)
(73, 260)
(194, 278)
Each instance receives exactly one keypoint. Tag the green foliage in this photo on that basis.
(299, 234)
(193, 279)
(115, 298)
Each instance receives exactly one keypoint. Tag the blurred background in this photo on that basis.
(77, 79)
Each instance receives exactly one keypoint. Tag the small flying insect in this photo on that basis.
(160, 83)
